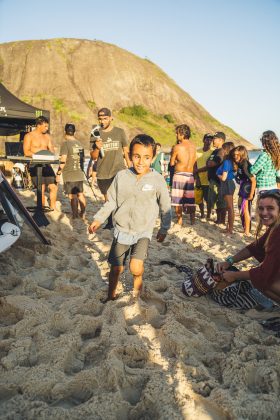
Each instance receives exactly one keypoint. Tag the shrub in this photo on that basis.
(135, 111)
(169, 118)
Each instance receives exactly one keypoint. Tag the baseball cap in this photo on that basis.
(219, 135)
(208, 136)
(105, 111)
(70, 128)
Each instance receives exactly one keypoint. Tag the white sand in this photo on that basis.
(65, 355)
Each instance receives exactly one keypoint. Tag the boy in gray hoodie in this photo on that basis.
(135, 198)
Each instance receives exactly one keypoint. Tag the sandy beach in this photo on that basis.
(65, 355)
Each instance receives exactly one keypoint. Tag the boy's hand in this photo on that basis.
(94, 226)
(161, 237)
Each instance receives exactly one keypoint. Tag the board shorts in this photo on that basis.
(48, 175)
(119, 252)
(74, 187)
(182, 193)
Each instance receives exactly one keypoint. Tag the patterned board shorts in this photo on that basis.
(182, 193)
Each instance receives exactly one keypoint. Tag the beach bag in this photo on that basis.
(238, 295)
(199, 282)
(198, 195)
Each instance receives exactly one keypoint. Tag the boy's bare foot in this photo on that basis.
(108, 298)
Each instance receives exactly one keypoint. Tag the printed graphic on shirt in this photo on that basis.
(111, 145)
(147, 187)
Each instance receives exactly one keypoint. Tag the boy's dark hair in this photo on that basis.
(227, 147)
(70, 129)
(145, 140)
(158, 144)
(41, 120)
(185, 130)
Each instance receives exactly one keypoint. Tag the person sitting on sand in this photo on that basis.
(183, 158)
(135, 197)
(265, 277)
(70, 167)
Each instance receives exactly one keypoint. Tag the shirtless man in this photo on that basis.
(33, 142)
(183, 158)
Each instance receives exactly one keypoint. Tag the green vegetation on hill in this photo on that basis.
(160, 127)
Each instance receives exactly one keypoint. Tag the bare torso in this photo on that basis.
(184, 156)
(35, 141)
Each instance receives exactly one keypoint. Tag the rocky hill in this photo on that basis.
(73, 78)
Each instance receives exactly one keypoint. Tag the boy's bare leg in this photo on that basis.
(179, 214)
(137, 269)
(201, 208)
(82, 202)
(114, 277)
(43, 195)
(53, 195)
(191, 210)
(74, 205)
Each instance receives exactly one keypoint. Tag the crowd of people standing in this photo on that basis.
(130, 177)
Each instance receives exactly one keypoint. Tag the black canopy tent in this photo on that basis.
(16, 115)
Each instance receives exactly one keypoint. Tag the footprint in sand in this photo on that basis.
(151, 298)
(132, 390)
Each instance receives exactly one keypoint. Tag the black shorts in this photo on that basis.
(104, 184)
(119, 252)
(227, 188)
(74, 187)
(48, 175)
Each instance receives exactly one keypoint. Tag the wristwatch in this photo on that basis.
(230, 260)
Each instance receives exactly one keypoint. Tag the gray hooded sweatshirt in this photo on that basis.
(136, 202)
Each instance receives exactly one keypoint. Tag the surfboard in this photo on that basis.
(9, 234)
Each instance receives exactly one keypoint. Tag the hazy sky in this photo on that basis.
(224, 53)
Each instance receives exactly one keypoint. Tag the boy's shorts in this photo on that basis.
(104, 184)
(214, 199)
(119, 252)
(74, 187)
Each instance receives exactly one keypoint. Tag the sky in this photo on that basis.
(224, 53)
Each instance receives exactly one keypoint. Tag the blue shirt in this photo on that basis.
(226, 166)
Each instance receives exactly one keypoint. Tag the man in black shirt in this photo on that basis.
(213, 163)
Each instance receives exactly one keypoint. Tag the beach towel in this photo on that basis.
(182, 193)
(238, 295)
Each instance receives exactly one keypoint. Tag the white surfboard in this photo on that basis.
(9, 234)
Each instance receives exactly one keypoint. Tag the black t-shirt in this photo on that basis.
(212, 171)
(243, 171)
(113, 160)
